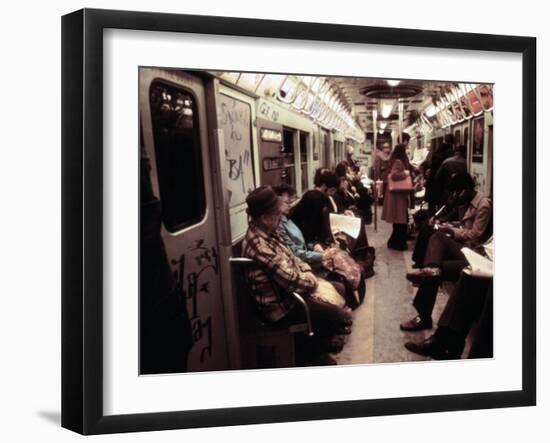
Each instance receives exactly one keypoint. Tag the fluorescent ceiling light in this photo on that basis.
(430, 111)
(387, 107)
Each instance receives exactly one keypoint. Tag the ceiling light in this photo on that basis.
(387, 107)
(431, 111)
(393, 83)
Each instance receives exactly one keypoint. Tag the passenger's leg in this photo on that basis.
(344, 288)
(463, 307)
(398, 239)
(402, 233)
(424, 300)
(328, 321)
(441, 247)
(482, 345)
(421, 245)
(465, 304)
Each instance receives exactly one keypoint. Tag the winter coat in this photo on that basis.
(396, 204)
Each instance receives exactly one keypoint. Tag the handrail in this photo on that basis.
(306, 310)
(298, 297)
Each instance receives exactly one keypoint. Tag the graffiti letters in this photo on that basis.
(234, 118)
(195, 286)
(235, 167)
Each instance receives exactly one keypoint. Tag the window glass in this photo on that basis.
(175, 122)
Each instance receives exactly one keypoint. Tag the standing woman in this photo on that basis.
(396, 203)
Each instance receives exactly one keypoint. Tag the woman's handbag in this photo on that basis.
(405, 185)
(340, 262)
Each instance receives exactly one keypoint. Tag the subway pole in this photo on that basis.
(375, 163)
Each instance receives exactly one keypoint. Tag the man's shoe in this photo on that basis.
(416, 324)
(433, 347)
(344, 330)
(417, 276)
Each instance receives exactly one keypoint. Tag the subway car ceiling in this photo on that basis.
(360, 106)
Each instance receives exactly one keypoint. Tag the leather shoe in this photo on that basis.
(433, 347)
(417, 276)
(416, 324)
(344, 330)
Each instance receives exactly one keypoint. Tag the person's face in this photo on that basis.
(331, 191)
(272, 219)
(387, 150)
(343, 186)
(286, 203)
(464, 196)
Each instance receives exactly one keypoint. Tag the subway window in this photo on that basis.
(175, 121)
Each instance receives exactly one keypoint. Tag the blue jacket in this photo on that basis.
(294, 238)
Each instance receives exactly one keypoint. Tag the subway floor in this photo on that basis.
(376, 337)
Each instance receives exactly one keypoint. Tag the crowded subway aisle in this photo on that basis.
(293, 220)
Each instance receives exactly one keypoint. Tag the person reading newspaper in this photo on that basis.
(467, 302)
(448, 263)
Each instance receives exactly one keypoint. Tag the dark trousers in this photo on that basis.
(482, 345)
(441, 248)
(398, 239)
(426, 295)
(466, 304)
(327, 319)
(421, 244)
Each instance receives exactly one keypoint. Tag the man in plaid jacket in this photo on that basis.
(278, 265)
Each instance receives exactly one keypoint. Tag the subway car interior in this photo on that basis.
(294, 220)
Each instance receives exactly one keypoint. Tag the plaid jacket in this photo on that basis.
(287, 271)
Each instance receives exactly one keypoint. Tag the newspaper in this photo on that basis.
(479, 265)
(345, 223)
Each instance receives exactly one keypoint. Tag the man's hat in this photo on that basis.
(261, 200)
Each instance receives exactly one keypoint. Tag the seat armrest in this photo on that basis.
(301, 300)
(241, 260)
(295, 295)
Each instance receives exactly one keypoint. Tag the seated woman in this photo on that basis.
(307, 233)
(345, 200)
(291, 234)
(311, 213)
(364, 202)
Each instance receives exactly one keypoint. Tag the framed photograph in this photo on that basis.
(225, 260)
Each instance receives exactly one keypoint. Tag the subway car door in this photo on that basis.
(174, 138)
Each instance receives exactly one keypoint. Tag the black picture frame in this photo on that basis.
(82, 218)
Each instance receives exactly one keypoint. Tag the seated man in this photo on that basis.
(425, 225)
(265, 246)
(444, 259)
(466, 304)
(474, 212)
